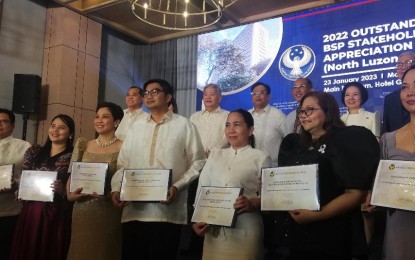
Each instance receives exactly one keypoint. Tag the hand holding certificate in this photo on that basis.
(89, 176)
(6, 176)
(289, 188)
(145, 184)
(394, 185)
(215, 205)
(37, 185)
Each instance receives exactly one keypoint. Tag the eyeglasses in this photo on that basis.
(405, 64)
(152, 92)
(258, 93)
(299, 87)
(308, 111)
(4, 121)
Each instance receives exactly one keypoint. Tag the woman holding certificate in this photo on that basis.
(237, 166)
(96, 223)
(347, 159)
(400, 145)
(43, 228)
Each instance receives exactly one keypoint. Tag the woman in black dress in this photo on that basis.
(347, 159)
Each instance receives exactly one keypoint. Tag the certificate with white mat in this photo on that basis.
(37, 185)
(89, 176)
(6, 176)
(214, 205)
(394, 185)
(289, 188)
(151, 185)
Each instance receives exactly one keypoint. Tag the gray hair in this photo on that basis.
(214, 86)
(409, 53)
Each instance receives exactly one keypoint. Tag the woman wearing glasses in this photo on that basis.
(347, 159)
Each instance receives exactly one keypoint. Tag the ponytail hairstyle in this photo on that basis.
(249, 121)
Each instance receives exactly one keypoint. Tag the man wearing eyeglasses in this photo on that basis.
(163, 140)
(301, 87)
(11, 152)
(394, 114)
(133, 112)
(268, 122)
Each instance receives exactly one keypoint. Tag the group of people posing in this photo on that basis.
(215, 148)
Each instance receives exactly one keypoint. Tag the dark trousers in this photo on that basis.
(7, 225)
(150, 240)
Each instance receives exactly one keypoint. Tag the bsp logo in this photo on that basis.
(297, 61)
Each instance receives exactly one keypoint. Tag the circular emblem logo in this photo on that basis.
(271, 174)
(392, 167)
(298, 61)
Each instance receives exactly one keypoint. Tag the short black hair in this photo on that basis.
(116, 111)
(309, 83)
(165, 85)
(267, 87)
(362, 90)
(140, 90)
(10, 113)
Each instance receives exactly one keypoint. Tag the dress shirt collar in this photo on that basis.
(166, 117)
(240, 150)
(264, 110)
(135, 112)
(6, 140)
(216, 111)
(361, 110)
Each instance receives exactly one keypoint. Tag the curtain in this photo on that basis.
(174, 61)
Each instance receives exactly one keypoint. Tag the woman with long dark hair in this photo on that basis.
(43, 228)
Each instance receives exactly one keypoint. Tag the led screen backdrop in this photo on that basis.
(355, 41)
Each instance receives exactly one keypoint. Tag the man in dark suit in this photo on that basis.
(394, 114)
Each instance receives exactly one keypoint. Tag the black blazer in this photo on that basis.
(394, 114)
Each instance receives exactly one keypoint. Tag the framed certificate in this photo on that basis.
(6, 176)
(394, 185)
(289, 188)
(151, 185)
(89, 176)
(214, 205)
(37, 185)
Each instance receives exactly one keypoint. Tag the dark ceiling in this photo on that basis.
(117, 15)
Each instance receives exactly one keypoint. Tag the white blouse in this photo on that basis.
(364, 118)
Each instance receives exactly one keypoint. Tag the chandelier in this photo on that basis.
(180, 15)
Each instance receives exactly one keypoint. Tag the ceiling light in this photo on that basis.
(180, 14)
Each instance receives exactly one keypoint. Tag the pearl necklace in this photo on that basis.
(107, 143)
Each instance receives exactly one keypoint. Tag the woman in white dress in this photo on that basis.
(237, 166)
(354, 95)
